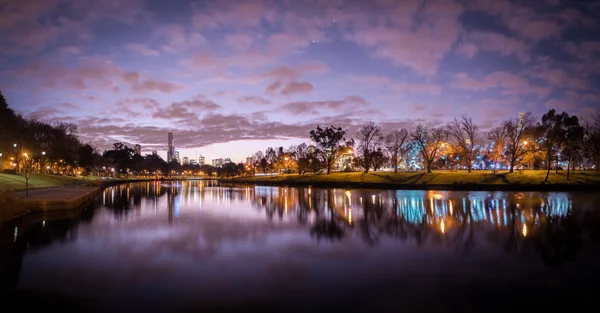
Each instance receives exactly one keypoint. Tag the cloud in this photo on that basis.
(141, 49)
(315, 107)
(186, 113)
(150, 85)
(284, 79)
(255, 100)
(178, 39)
(297, 87)
(509, 84)
(529, 20)
(418, 44)
(476, 41)
(418, 88)
(239, 41)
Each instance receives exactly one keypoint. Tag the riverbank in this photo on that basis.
(55, 193)
(439, 180)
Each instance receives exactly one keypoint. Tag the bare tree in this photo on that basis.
(395, 146)
(429, 143)
(516, 129)
(592, 141)
(498, 137)
(369, 139)
(465, 133)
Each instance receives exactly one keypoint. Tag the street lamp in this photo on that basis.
(42, 161)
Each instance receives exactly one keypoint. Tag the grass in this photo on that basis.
(435, 178)
(17, 182)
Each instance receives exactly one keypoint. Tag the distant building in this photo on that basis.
(218, 162)
(154, 152)
(186, 160)
(201, 160)
(137, 149)
(176, 156)
(226, 160)
(193, 162)
(170, 149)
(249, 161)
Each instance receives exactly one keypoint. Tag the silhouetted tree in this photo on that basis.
(429, 143)
(369, 140)
(498, 137)
(516, 130)
(331, 143)
(395, 146)
(464, 133)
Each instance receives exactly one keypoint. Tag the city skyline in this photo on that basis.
(229, 78)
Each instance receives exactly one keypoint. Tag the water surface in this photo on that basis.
(177, 246)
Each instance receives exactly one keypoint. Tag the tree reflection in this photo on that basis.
(33, 232)
(555, 226)
(326, 227)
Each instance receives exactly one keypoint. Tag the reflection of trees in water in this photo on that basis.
(327, 224)
(34, 232)
(120, 199)
(546, 223)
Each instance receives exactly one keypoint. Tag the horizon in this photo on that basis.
(230, 78)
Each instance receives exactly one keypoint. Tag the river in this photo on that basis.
(191, 245)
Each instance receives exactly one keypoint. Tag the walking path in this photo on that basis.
(56, 198)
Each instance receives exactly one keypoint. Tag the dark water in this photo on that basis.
(196, 246)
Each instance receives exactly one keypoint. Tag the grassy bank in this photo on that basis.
(437, 179)
(17, 182)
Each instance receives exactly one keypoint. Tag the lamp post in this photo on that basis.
(16, 157)
(42, 161)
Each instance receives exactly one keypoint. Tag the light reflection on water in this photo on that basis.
(190, 240)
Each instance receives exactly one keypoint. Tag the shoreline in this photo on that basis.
(447, 187)
(74, 196)
(437, 180)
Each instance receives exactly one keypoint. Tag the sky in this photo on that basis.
(228, 78)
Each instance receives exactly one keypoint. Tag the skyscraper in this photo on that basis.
(171, 149)
(201, 160)
(137, 149)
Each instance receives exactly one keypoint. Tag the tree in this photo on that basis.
(591, 139)
(378, 159)
(87, 158)
(369, 141)
(395, 146)
(300, 156)
(270, 158)
(429, 143)
(119, 157)
(554, 129)
(573, 144)
(498, 137)
(465, 134)
(207, 169)
(331, 143)
(515, 131)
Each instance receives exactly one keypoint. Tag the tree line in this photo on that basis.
(553, 142)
